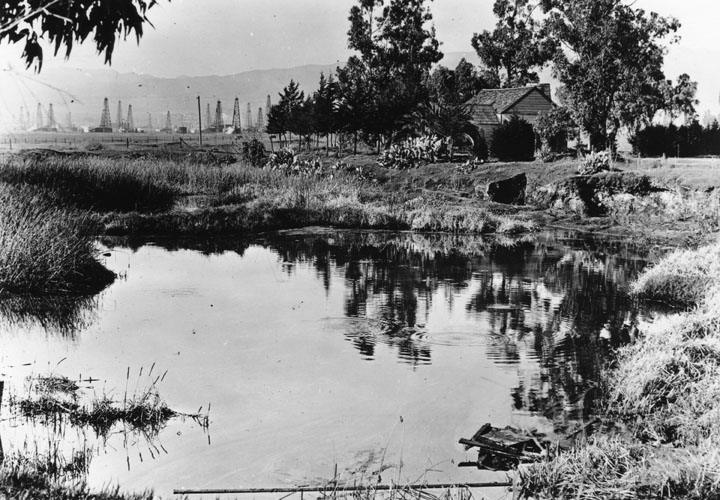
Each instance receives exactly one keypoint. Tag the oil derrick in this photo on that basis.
(149, 123)
(168, 124)
(105, 123)
(120, 117)
(248, 114)
(38, 117)
(236, 116)
(207, 117)
(51, 118)
(130, 122)
(219, 125)
(260, 124)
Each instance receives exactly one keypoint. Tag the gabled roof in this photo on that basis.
(482, 113)
(502, 99)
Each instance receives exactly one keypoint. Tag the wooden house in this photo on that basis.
(491, 107)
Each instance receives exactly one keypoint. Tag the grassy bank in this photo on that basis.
(44, 248)
(134, 196)
(665, 391)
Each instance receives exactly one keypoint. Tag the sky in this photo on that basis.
(220, 37)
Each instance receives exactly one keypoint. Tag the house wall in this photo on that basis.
(486, 129)
(528, 108)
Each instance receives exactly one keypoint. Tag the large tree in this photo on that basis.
(66, 22)
(396, 49)
(285, 115)
(455, 86)
(680, 99)
(610, 63)
(517, 47)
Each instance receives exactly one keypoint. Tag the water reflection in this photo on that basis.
(58, 315)
(563, 300)
(323, 341)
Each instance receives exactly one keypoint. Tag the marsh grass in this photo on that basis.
(25, 478)
(146, 196)
(54, 399)
(45, 249)
(100, 185)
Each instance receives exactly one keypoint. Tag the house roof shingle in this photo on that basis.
(500, 99)
(482, 113)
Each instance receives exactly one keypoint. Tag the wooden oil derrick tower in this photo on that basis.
(168, 124)
(248, 119)
(119, 117)
(105, 123)
(130, 122)
(149, 125)
(219, 124)
(236, 116)
(260, 124)
(207, 117)
(23, 123)
(38, 117)
(51, 118)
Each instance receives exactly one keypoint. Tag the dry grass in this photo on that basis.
(683, 277)
(612, 468)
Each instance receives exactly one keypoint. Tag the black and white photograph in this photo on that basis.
(359, 249)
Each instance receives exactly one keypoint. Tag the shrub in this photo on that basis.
(553, 127)
(253, 152)
(514, 140)
(412, 153)
(594, 163)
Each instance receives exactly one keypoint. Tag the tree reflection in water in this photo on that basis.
(560, 298)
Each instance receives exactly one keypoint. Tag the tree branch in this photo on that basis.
(13, 24)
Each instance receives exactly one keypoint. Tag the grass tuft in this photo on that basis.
(684, 277)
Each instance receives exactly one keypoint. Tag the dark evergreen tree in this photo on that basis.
(283, 116)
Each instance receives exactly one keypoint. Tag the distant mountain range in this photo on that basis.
(81, 92)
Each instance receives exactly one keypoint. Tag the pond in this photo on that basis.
(370, 352)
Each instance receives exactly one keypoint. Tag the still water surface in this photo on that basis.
(372, 351)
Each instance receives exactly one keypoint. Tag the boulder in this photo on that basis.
(511, 190)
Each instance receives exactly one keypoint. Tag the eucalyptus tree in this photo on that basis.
(64, 23)
(609, 61)
(518, 46)
(396, 48)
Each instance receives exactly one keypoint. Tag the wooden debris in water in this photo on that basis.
(502, 449)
